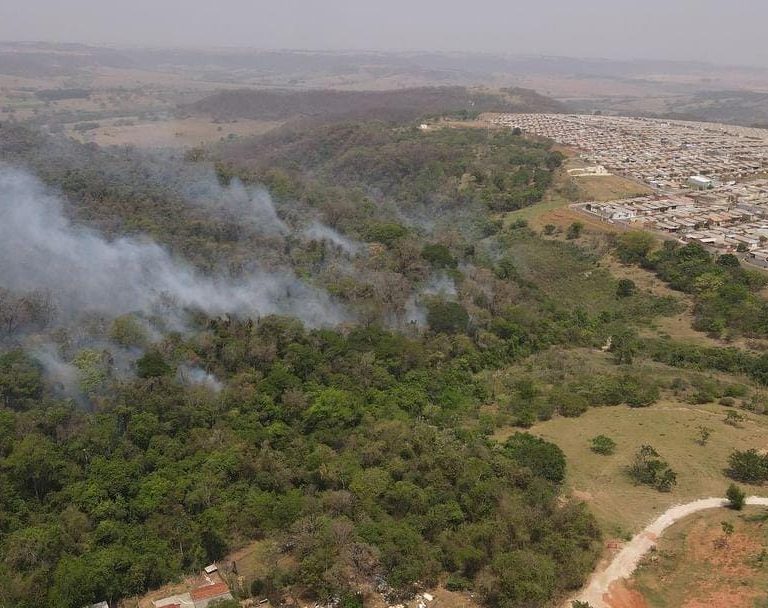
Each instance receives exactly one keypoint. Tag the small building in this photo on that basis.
(202, 596)
(702, 182)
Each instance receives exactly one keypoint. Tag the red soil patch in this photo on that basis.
(621, 596)
(725, 598)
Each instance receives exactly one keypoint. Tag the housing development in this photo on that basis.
(705, 176)
(661, 153)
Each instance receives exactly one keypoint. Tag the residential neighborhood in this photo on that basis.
(705, 177)
(664, 154)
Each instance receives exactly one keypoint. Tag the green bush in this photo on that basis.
(748, 466)
(602, 444)
(439, 256)
(649, 469)
(736, 497)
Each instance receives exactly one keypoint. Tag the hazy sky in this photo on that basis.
(723, 31)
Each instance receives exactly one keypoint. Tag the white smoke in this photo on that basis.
(188, 374)
(62, 376)
(439, 284)
(320, 232)
(250, 204)
(41, 249)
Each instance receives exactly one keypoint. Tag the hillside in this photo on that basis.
(394, 105)
(342, 342)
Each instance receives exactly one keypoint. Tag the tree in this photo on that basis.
(728, 530)
(447, 317)
(439, 256)
(36, 466)
(703, 434)
(541, 457)
(624, 346)
(728, 260)
(736, 497)
(625, 288)
(152, 365)
(385, 232)
(574, 231)
(20, 379)
(633, 247)
(602, 444)
(549, 229)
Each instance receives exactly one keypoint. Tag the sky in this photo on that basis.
(720, 31)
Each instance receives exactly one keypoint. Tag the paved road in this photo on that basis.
(626, 560)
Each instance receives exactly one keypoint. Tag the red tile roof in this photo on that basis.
(209, 591)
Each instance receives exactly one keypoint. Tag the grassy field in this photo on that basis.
(172, 132)
(608, 188)
(671, 428)
(568, 189)
(692, 566)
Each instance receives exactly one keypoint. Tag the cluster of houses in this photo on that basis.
(207, 589)
(665, 154)
(729, 218)
(210, 588)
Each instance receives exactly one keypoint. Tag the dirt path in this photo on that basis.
(626, 560)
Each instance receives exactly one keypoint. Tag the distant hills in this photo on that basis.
(401, 104)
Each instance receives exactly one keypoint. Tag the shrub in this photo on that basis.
(625, 288)
(570, 405)
(456, 582)
(602, 444)
(733, 418)
(438, 256)
(257, 587)
(748, 466)
(574, 231)
(639, 392)
(736, 497)
(648, 468)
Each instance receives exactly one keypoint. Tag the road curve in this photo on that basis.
(626, 560)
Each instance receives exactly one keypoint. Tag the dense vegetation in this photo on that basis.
(349, 449)
(434, 169)
(726, 294)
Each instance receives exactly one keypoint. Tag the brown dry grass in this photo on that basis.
(172, 133)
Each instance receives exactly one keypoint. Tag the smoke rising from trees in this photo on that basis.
(41, 249)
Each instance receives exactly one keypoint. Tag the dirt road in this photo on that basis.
(625, 562)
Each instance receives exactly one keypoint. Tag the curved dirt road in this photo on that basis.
(626, 560)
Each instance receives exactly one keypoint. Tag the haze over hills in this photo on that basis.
(395, 105)
(657, 88)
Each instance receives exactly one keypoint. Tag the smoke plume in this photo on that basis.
(41, 249)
